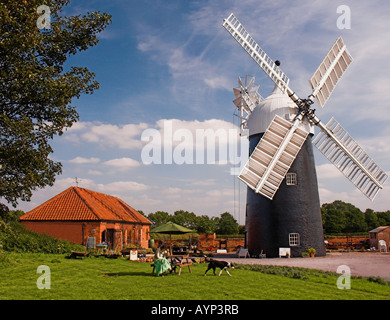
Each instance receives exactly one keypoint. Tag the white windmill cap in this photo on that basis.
(276, 103)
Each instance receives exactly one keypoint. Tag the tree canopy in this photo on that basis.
(36, 91)
(343, 217)
(225, 224)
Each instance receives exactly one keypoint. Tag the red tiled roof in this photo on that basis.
(82, 204)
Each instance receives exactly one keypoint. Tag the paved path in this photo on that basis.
(364, 264)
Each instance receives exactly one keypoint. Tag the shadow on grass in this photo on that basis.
(135, 273)
(128, 274)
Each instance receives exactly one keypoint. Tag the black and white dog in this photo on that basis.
(223, 265)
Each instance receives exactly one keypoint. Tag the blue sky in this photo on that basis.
(173, 60)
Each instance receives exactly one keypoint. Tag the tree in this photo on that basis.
(371, 219)
(383, 218)
(206, 225)
(184, 218)
(9, 216)
(142, 213)
(340, 216)
(355, 220)
(227, 224)
(159, 218)
(36, 92)
(333, 218)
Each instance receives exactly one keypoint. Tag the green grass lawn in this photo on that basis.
(119, 279)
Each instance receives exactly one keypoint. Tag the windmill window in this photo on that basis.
(291, 179)
(293, 239)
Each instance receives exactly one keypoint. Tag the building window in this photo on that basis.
(291, 179)
(293, 239)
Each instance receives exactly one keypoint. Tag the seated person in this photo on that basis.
(161, 263)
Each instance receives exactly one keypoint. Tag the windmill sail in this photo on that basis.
(246, 97)
(273, 156)
(340, 149)
(238, 32)
(330, 71)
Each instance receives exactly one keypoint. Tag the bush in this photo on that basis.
(15, 237)
(378, 280)
(277, 270)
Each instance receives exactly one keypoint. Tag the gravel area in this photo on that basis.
(364, 264)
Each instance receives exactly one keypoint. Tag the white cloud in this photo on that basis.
(218, 82)
(196, 142)
(212, 126)
(327, 171)
(81, 160)
(145, 202)
(203, 183)
(175, 193)
(327, 196)
(121, 187)
(94, 172)
(217, 194)
(378, 146)
(112, 187)
(128, 136)
(147, 43)
(193, 73)
(78, 126)
(122, 163)
(107, 135)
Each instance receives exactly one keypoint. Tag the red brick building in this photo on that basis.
(380, 233)
(89, 218)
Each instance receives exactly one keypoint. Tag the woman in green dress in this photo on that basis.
(161, 263)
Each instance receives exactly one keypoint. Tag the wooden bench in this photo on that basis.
(180, 262)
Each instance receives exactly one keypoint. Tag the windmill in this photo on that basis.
(278, 215)
(246, 100)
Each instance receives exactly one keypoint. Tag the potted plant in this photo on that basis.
(312, 252)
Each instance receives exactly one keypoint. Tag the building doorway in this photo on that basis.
(108, 237)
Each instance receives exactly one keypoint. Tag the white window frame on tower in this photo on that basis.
(294, 239)
(291, 179)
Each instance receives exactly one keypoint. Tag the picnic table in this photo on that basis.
(178, 261)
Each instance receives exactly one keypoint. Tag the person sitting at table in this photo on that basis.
(161, 263)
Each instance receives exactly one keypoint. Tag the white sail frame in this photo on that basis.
(329, 72)
(334, 142)
(244, 39)
(273, 156)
